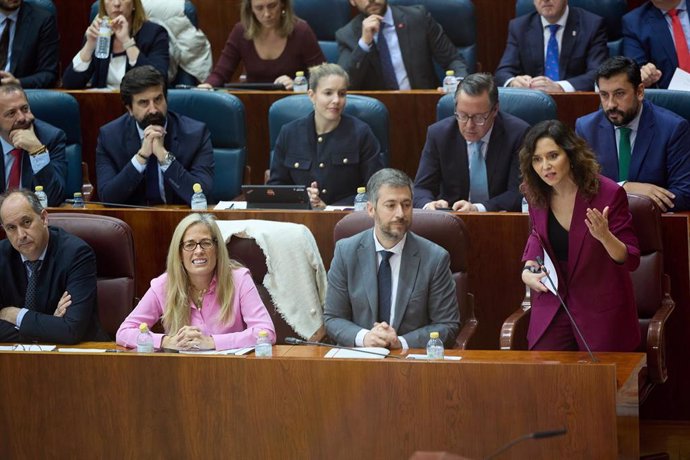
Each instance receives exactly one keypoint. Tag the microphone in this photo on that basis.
(115, 205)
(535, 435)
(296, 341)
(540, 261)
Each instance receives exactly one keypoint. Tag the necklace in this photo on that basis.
(199, 297)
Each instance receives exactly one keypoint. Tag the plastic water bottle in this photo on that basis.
(264, 348)
(144, 339)
(299, 84)
(41, 195)
(361, 199)
(450, 83)
(78, 201)
(434, 347)
(525, 205)
(103, 39)
(198, 199)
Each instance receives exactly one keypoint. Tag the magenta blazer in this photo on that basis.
(597, 290)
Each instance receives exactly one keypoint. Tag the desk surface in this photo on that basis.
(298, 405)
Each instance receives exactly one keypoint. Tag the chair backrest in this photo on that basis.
(457, 17)
(368, 109)
(611, 10)
(112, 241)
(675, 101)
(189, 11)
(444, 229)
(528, 104)
(62, 111)
(325, 17)
(224, 116)
(47, 5)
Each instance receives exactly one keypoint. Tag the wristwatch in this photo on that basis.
(169, 158)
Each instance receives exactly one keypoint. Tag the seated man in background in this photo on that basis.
(33, 151)
(47, 277)
(28, 45)
(644, 147)
(416, 291)
(470, 161)
(557, 48)
(392, 47)
(654, 35)
(150, 155)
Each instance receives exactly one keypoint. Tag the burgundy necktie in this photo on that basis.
(16, 170)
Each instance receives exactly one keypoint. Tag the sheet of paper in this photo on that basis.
(380, 353)
(27, 347)
(232, 351)
(423, 357)
(81, 350)
(680, 80)
(551, 270)
(331, 207)
(224, 205)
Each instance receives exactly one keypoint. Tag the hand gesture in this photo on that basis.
(438, 204)
(533, 280)
(120, 28)
(464, 206)
(598, 223)
(662, 197)
(25, 139)
(314, 200)
(370, 28)
(545, 84)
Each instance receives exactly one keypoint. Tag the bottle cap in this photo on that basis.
(143, 327)
(450, 72)
(77, 194)
(299, 73)
(361, 190)
(263, 333)
(39, 188)
(196, 187)
(434, 335)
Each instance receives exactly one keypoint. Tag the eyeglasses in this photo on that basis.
(191, 245)
(479, 119)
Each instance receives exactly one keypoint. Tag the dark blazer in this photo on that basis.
(444, 170)
(119, 181)
(426, 299)
(152, 41)
(54, 175)
(646, 38)
(35, 49)
(583, 49)
(597, 290)
(69, 265)
(344, 160)
(661, 154)
(421, 40)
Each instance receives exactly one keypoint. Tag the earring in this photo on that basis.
(282, 13)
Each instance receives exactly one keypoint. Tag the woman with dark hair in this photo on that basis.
(135, 42)
(581, 222)
(271, 42)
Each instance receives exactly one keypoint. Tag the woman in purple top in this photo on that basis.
(204, 300)
(271, 42)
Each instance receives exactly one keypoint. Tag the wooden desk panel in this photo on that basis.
(175, 406)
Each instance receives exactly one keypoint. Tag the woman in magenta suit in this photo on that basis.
(581, 221)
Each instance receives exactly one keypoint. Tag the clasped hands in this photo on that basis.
(460, 206)
(541, 83)
(188, 338)
(152, 144)
(382, 335)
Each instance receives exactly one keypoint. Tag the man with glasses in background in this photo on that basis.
(470, 160)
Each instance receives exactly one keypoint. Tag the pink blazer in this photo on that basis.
(597, 290)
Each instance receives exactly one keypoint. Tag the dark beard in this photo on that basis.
(157, 119)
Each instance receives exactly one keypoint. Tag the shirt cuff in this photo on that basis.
(20, 317)
(480, 207)
(165, 166)
(359, 339)
(403, 342)
(39, 161)
(567, 87)
(138, 166)
(366, 48)
(507, 83)
(78, 65)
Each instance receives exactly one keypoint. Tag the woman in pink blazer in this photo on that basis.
(581, 220)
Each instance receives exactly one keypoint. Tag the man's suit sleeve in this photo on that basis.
(46, 59)
(338, 310)
(444, 315)
(352, 58)
(511, 198)
(201, 169)
(596, 53)
(53, 176)
(81, 284)
(427, 183)
(115, 184)
(678, 157)
(510, 65)
(444, 52)
(632, 46)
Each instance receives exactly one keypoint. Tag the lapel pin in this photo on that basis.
(574, 32)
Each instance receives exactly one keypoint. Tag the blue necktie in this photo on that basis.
(389, 78)
(34, 267)
(153, 193)
(385, 286)
(551, 64)
(479, 188)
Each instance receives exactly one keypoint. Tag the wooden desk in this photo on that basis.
(297, 405)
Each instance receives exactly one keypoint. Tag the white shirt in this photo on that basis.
(142, 168)
(38, 162)
(13, 16)
(682, 17)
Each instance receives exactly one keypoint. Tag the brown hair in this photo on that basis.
(138, 15)
(252, 26)
(585, 167)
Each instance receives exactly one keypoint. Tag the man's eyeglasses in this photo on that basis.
(479, 119)
(191, 245)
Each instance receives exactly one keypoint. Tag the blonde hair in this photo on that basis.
(317, 72)
(138, 15)
(252, 26)
(179, 287)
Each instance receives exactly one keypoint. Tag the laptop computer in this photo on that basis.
(276, 196)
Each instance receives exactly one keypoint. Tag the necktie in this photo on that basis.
(551, 65)
(680, 40)
(16, 170)
(5, 43)
(479, 188)
(389, 78)
(34, 267)
(624, 153)
(385, 286)
(153, 193)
